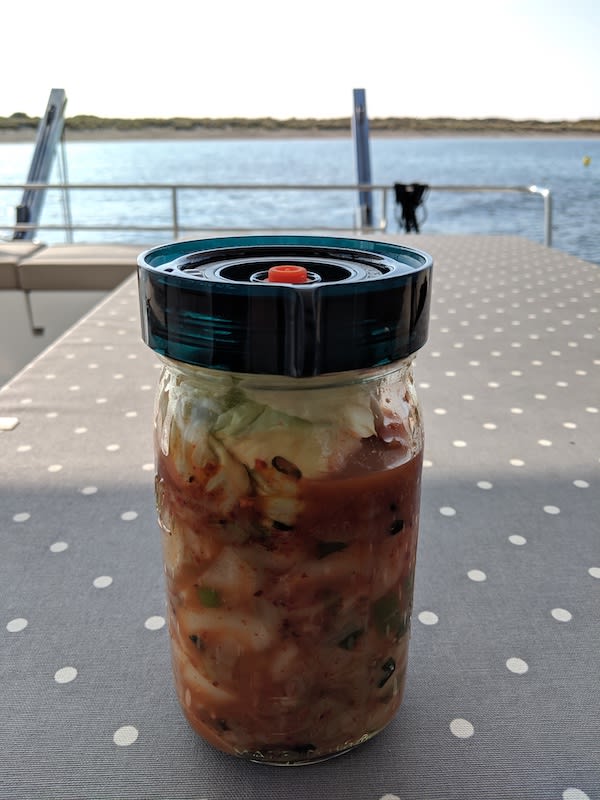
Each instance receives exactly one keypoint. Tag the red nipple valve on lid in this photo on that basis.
(287, 273)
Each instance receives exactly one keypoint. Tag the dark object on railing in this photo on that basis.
(410, 196)
(48, 136)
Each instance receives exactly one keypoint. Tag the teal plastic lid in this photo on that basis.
(357, 304)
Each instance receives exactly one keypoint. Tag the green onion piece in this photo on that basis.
(209, 598)
(388, 669)
(396, 527)
(388, 617)
(349, 641)
(326, 548)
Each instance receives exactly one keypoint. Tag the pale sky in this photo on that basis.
(252, 58)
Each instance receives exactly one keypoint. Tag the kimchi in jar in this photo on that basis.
(288, 441)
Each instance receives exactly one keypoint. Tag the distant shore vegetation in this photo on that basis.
(20, 123)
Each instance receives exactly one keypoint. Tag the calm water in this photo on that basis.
(553, 163)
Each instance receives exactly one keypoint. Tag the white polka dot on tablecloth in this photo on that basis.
(428, 618)
(581, 484)
(58, 547)
(476, 575)
(112, 448)
(484, 485)
(146, 387)
(459, 443)
(490, 426)
(517, 665)
(102, 581)
(440, 411)
(23, 448)
(541, 396)
(516, 462)
(17, 625)
(22, 516)
(125, 736)
(55, 468)
(545, 442)
(148, 466)
(427, 463)
(154, 623)
(128, 516)
(101, 400)
(594, 572)
(89, 490)
(80, 430)
(591, 409)
(552, 510)
(516, 410)
(65, 675)
(118, 376)
(517, 539)
(447, 511)
(572, 793)
(461, 728)
(561, 615)
(131, 413)
(52, 415)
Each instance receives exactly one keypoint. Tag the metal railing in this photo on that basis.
(176, 228)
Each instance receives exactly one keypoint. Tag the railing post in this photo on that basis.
(384, 202)
(548, 218)
(174, 212)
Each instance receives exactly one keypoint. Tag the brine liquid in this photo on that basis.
(290, 636)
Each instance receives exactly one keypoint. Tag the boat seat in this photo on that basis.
(11, 254)
(78, 267)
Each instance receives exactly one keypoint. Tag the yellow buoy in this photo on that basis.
(587, 160)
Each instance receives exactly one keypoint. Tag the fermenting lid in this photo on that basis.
(285, 305)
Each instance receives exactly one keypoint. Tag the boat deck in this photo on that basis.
(30, 266)
(504, 646)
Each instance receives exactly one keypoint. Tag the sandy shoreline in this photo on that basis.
(199, 134)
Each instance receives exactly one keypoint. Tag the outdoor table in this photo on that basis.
(503, 693)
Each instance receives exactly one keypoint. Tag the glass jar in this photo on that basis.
(289, 509)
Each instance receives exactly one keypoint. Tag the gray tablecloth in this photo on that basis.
(502, 700)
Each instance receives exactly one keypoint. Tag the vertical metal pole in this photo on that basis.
(48, 135)
(360, 135)
(174, 212)
(548, 218)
